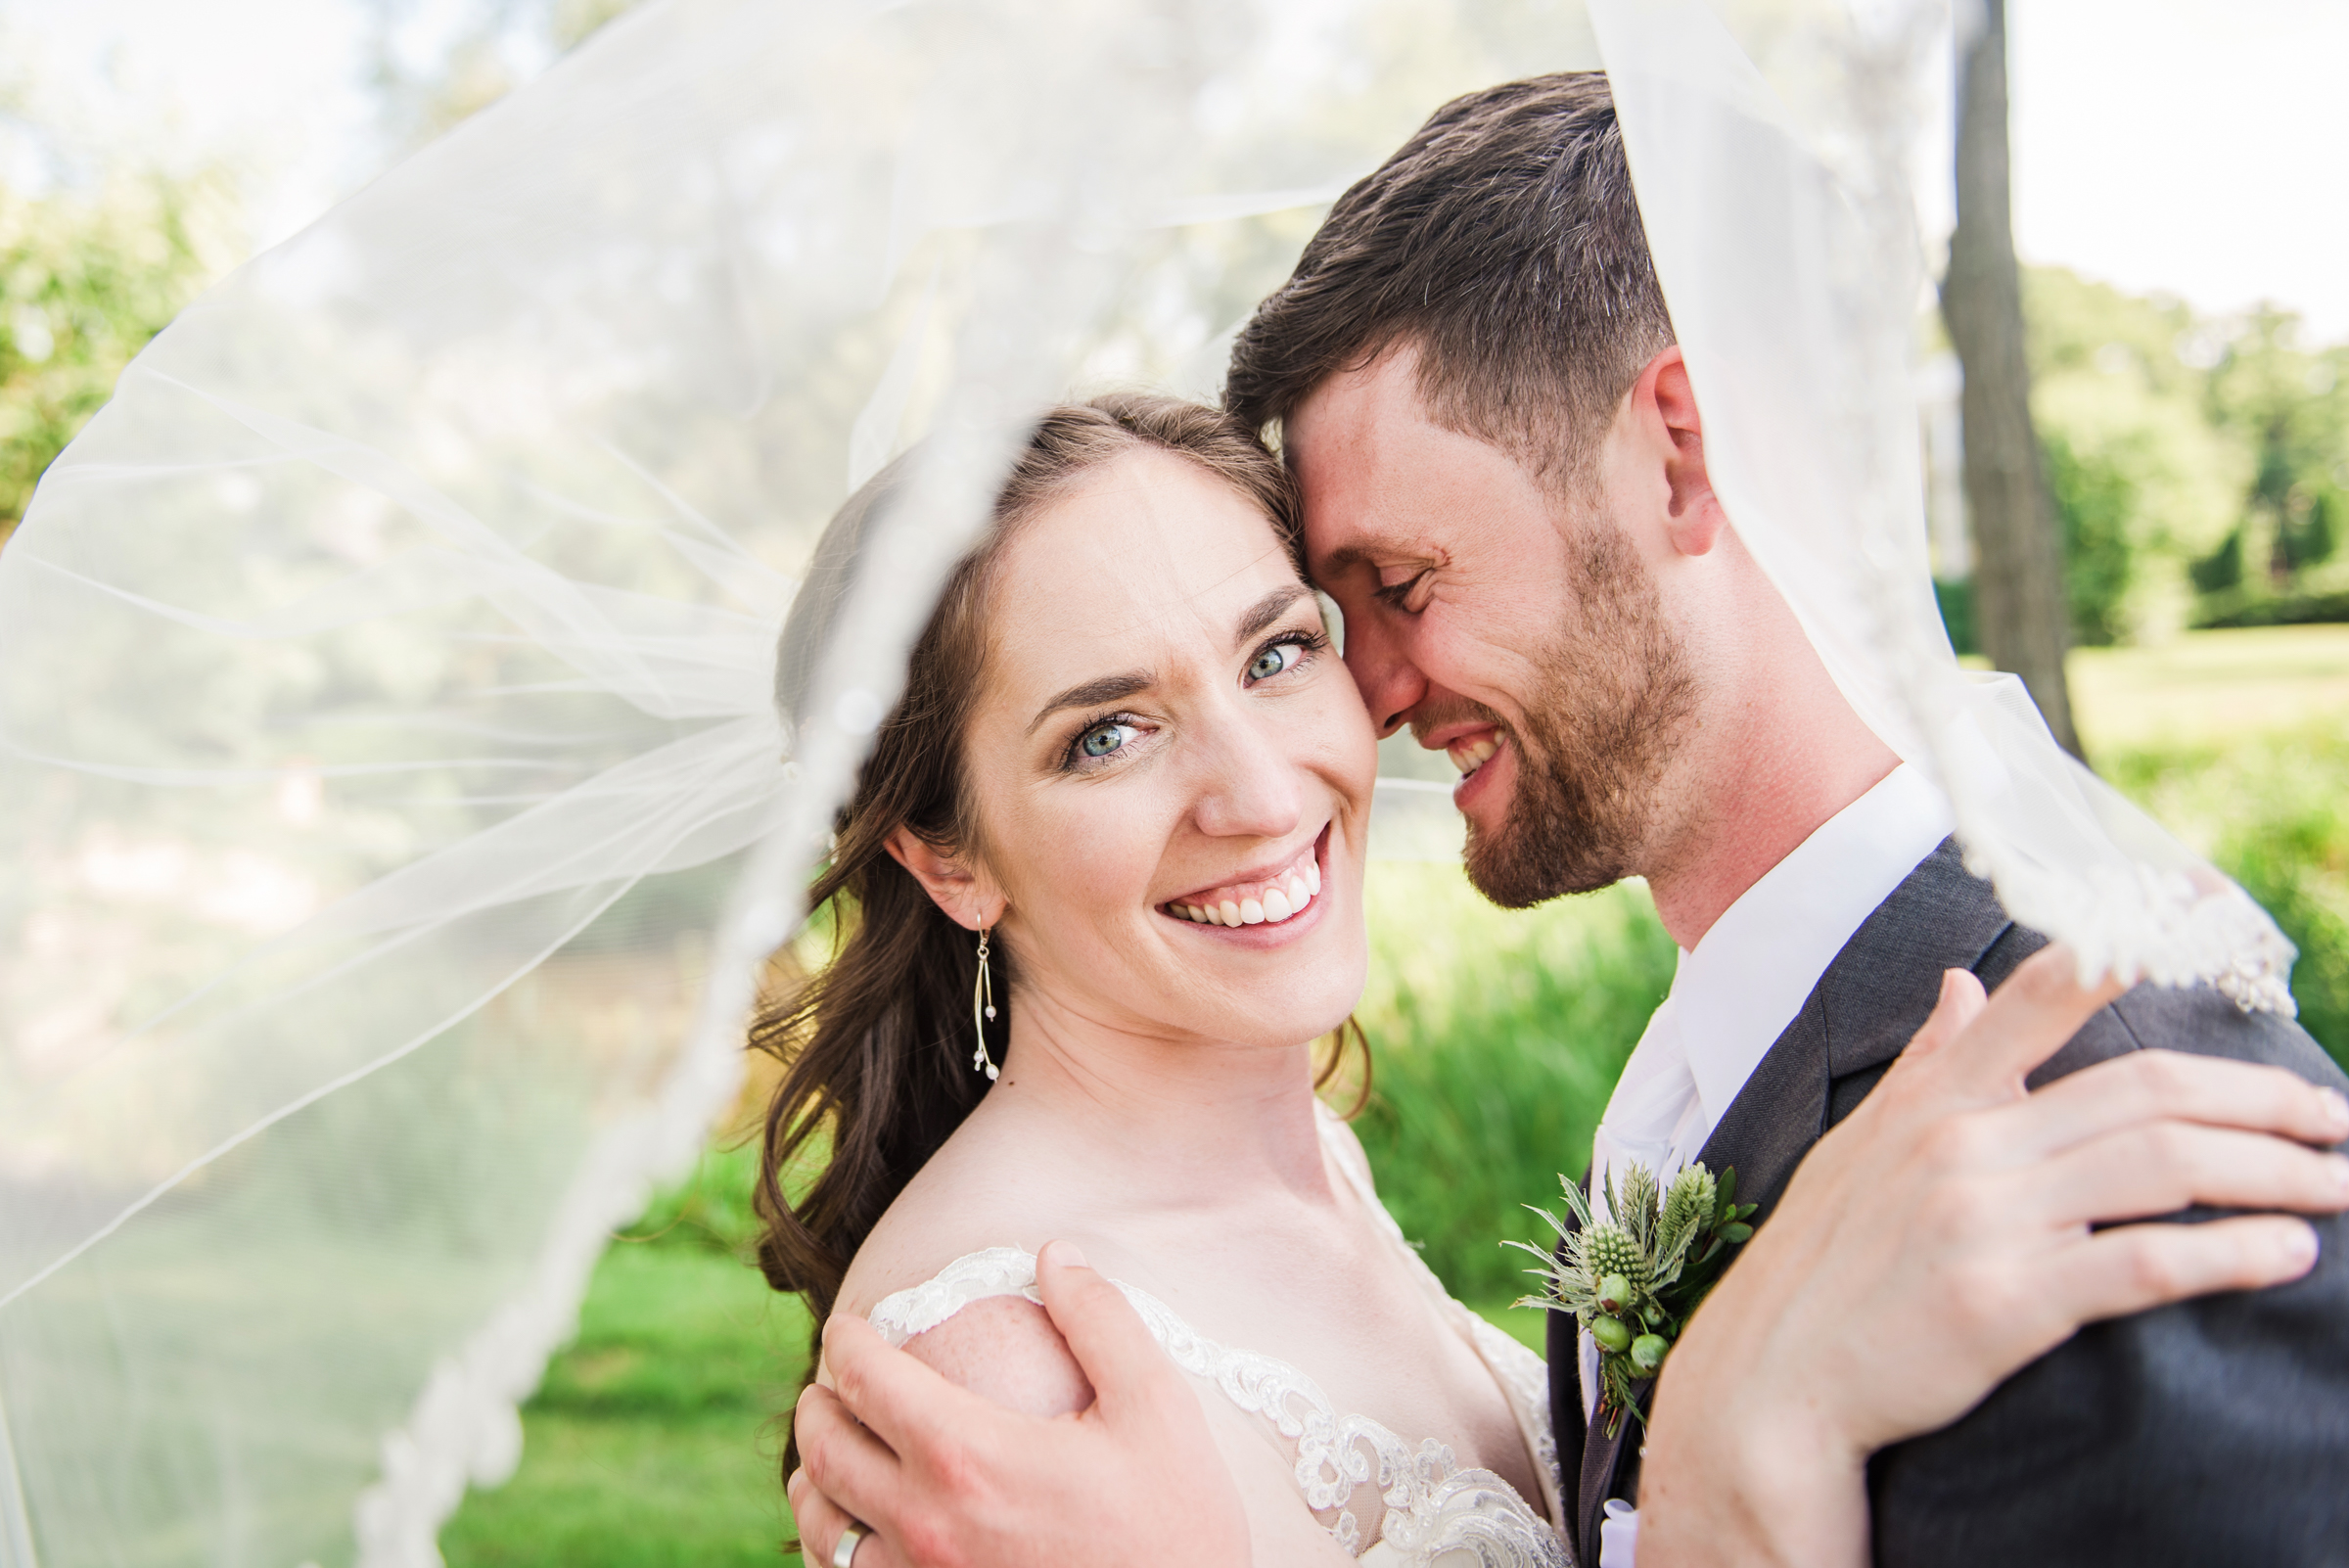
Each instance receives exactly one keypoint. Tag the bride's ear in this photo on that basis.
(965, 891)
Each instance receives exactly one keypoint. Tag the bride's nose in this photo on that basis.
(1252, 788)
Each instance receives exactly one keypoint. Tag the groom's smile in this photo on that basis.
(1480, 746)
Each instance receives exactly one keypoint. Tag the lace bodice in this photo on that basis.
(1432, 1511)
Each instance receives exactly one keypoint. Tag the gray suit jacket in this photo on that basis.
(2216, 1431)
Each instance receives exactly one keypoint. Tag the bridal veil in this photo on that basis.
(394, 807)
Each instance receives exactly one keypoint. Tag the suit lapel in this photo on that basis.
(1879, 990)
(1566, 1400)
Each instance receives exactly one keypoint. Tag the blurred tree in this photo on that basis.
(2020, 612)
(2290, 410)
(86, 277)
(434, 65)
(2145, 484)
(2199, 467)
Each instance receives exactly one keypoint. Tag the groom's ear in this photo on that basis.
(1693, 519)
(968, 896)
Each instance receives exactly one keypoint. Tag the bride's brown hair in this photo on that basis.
(876, 1045)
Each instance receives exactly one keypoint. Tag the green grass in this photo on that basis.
(2273, 812)
(1495, 1037)
(651, 1444)
(2208, 689)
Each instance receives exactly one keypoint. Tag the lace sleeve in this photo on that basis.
(976, 1276)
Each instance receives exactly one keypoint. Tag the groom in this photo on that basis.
(1476, 382)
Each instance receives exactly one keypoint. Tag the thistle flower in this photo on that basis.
(1690, 1201)
(1610, 1250)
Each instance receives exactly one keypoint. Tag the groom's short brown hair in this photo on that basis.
(1505, 242)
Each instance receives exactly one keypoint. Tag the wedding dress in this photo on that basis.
(1387, 1501)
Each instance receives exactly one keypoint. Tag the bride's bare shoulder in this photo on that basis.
(1003, 1346)
(962, 1201)
(1006, 1349)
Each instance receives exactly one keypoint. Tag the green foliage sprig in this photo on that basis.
(1635, 1279)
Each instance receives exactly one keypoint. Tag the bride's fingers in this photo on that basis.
(2026, 1021)
(2145, 1086)
(2131, 1268)
(1961, 1002)
(2159, 1167)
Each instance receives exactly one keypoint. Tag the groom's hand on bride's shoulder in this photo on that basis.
(940, 1477)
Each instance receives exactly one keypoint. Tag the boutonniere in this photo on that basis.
(1635, 1279)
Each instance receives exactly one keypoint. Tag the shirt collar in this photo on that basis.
(1737, 990)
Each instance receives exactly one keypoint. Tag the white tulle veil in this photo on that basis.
(395, 808)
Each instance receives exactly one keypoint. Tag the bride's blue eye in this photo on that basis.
(1275, 659)
(1103, 739)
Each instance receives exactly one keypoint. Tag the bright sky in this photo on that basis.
(2195, 146)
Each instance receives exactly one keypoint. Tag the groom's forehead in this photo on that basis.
(1384, 482)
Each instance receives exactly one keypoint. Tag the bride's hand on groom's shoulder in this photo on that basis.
(941, 1477)
(1945, 1234)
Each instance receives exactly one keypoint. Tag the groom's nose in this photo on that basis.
(1379, 661)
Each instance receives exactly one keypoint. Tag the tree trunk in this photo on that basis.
(2022, 614)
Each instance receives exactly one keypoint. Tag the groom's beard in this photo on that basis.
(1609, 711)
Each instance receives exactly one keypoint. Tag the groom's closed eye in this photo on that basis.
(1399, 595)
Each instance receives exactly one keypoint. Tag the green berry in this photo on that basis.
(1614, 1294)
(1611, 1334)
(1647, 1352)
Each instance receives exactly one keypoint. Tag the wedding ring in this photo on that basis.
(844, 1551)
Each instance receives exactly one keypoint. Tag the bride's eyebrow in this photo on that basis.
(1269, 608)
(1093, 693)
(1115, 688)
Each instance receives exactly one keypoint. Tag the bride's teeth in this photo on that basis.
(1280, 898)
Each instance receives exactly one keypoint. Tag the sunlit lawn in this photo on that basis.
(1496, 1037)
(2210, 688)
(649, 1445)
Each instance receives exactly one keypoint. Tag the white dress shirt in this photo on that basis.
(1734, 995)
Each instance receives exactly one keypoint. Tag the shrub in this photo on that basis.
(2270, 812)
(1496, 1037)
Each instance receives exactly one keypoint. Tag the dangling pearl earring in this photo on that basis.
(982, 1012)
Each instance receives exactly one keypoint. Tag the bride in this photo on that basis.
(1098, 893)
